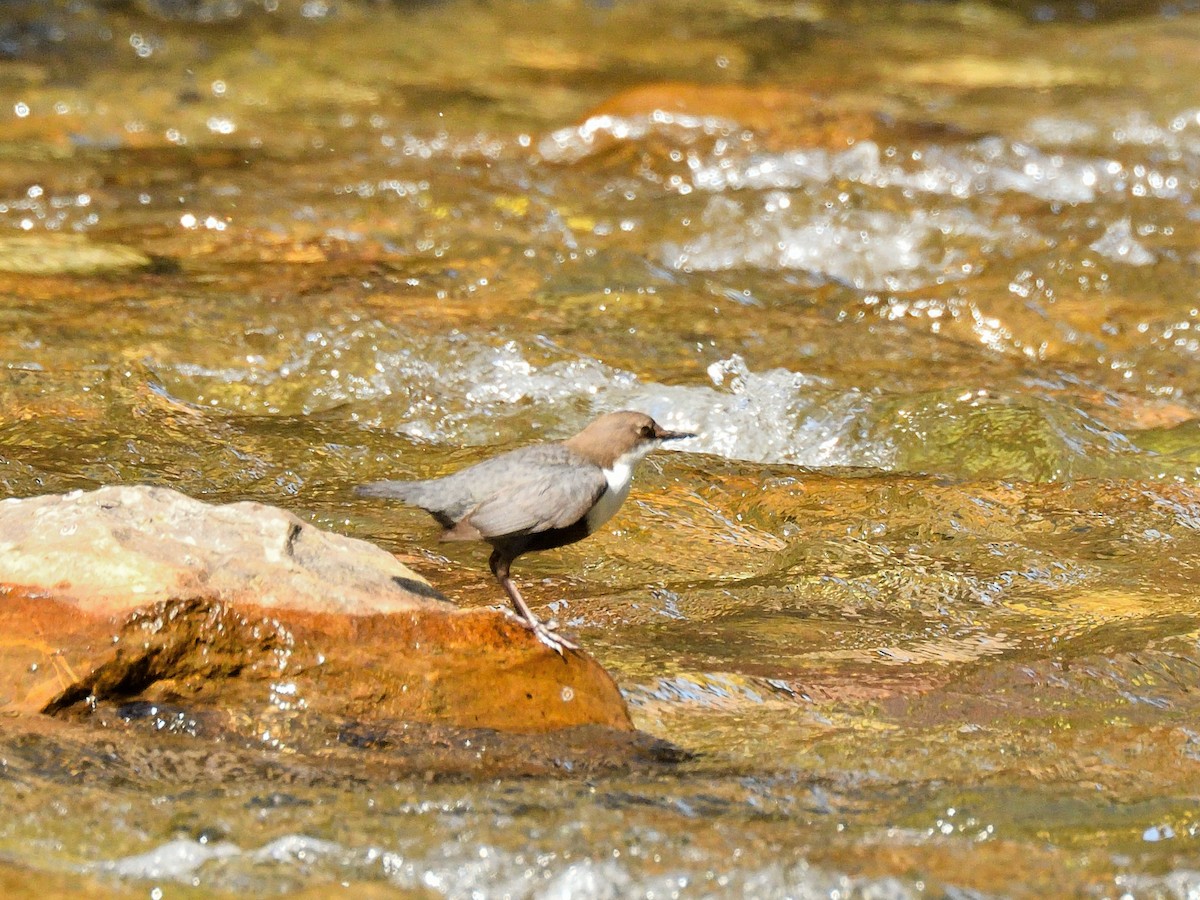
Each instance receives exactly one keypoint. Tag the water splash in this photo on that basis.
(869, 250)
(988, 166)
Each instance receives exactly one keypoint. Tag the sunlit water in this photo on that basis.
(921, 595)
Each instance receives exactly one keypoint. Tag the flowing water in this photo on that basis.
(920, 598)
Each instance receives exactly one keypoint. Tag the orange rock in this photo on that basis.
(143, 592)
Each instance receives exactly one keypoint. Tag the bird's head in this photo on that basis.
(621, 437)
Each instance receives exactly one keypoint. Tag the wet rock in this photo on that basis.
(143, 592)
(110, 750)
(66, 254)
(975, 72)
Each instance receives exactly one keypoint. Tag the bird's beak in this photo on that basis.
(663, 435)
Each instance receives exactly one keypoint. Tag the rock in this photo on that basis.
(66, 254)
(142, 592)
(982, 72)
(119, 547)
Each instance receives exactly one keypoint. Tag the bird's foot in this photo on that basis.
(550, 637)
(545, 633)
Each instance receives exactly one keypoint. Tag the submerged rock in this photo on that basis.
(143, 592)
(66, 254)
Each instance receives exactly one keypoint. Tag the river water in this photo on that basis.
(920, 598)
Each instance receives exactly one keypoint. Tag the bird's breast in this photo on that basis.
(618, 478)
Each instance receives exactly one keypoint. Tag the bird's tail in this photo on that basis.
(408, 491)
(421, 494)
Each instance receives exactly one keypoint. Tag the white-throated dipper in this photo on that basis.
(537, 497)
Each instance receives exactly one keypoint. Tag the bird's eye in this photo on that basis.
(647, 431)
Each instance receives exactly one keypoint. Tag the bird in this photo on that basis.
(537, 497)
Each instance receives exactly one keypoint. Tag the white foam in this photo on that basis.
(986, 166)
(576, 142)
(182, 858)
(175, 860)
(1119, 245)
(298, 848)
(869, 250)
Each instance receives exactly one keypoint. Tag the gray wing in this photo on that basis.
(544, 483)
(458, 493)
(552, 496)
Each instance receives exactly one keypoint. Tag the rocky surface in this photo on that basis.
(144, 593)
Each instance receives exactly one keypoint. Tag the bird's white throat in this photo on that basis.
(619, 477)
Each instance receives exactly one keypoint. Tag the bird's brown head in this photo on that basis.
(627, 435)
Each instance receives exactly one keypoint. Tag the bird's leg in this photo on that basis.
(500, 563)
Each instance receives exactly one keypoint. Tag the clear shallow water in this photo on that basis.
(921, 596)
